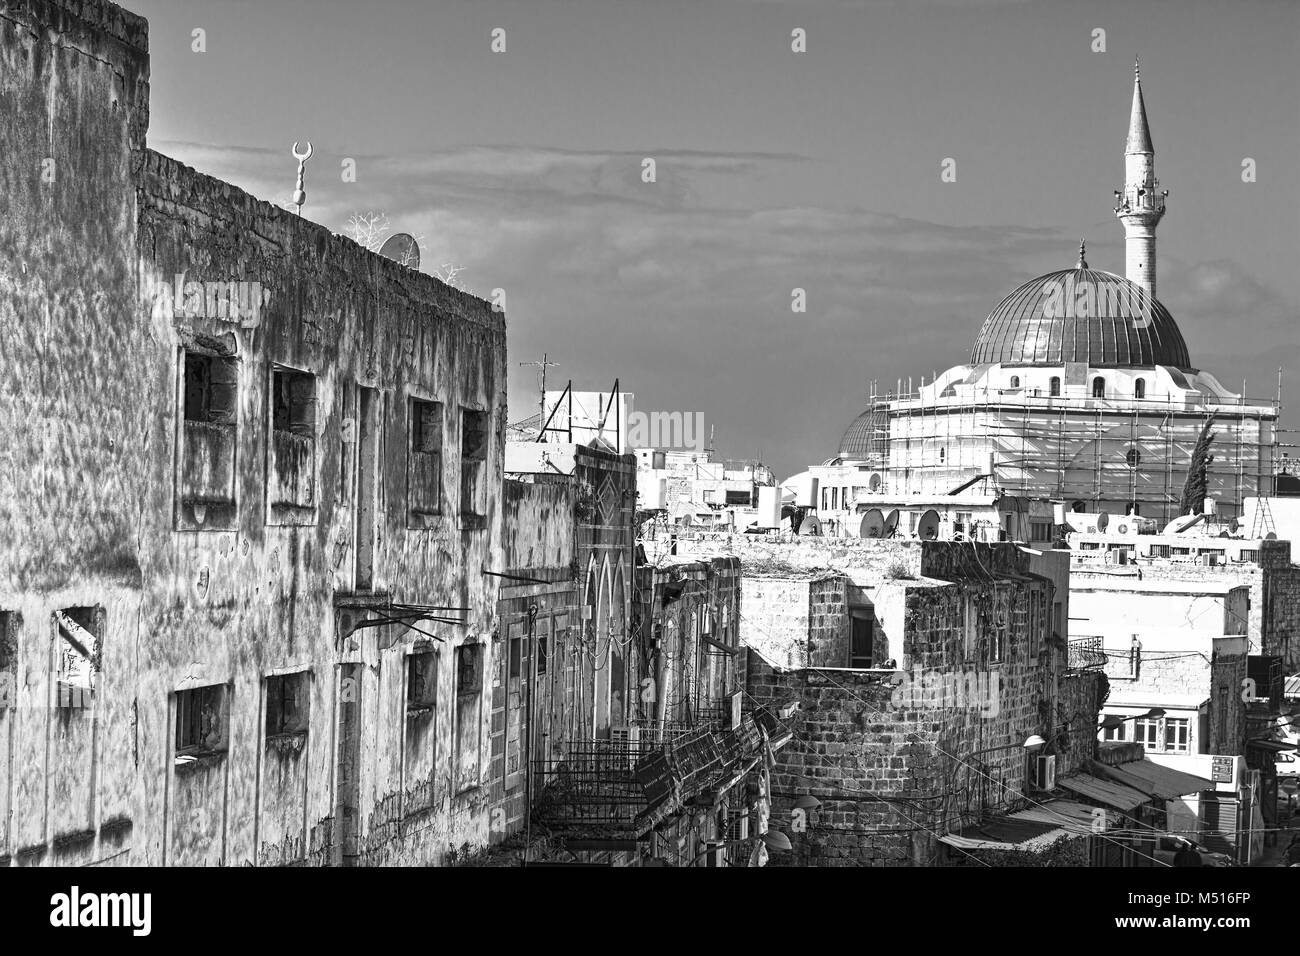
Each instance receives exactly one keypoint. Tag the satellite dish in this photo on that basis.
(1103, 519)
(402, 248)
(811, 526)
(873, 524)
(891, 524)
(928, 527)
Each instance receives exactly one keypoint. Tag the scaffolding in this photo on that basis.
(1091, 449)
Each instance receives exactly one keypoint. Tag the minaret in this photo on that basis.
(1141, 203)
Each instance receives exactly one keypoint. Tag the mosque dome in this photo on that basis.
(1081, 315)
(867, 438)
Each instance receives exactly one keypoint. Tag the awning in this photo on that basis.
(1291, 687)
(1274, 746)
(1154, 779)
(1107, 792)
(1003, 833)
(1033, 830)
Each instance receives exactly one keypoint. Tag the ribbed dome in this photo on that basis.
(1081, 315)
(867, 439)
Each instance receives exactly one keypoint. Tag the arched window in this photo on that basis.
(943, 454)
(1098, 387)
(1015, 381)
(1133, 457)
(1140, 388)
(1055, 386)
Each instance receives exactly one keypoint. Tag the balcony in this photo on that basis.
(630, 784)
(1085, 653)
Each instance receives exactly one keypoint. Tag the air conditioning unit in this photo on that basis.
(629, 737)
(733, 710)
(1042, 772)
(652, 492)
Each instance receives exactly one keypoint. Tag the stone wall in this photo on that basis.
(895, 764)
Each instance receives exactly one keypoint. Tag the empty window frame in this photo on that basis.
(209, 404)
(421, 682)
(469, 667)
(469, 683)
(1054, 386)
(1140, 388)
(516, 658)
(293, 438)
(860, 639)
(541, 638)
(9, 623)
(287, 704)
(80, 633)
(425, 478)
(474, 429)
(420, 753)
(1098, 387)
(202, 720)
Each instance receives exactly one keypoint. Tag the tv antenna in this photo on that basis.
(543, 365)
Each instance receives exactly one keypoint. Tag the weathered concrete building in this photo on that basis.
(1264, 566)
(618, 720)
(250, 491)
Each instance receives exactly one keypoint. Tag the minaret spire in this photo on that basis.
(1139, 131)
(1141, 203)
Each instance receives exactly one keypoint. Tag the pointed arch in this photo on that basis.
(618, 650)
(601, 651)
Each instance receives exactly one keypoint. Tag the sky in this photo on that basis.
(775, 170)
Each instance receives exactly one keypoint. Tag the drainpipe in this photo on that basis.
(528, 733)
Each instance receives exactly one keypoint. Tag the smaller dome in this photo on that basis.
(867, 438)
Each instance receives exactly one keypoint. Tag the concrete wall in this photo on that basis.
(236, 593)
(76, 449)
(1263, 566)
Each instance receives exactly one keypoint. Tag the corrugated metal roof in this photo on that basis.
(1156, 780)
(1109, 792)
(1034, 829)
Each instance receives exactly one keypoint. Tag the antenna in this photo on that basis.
(543, 365)
(402, 248)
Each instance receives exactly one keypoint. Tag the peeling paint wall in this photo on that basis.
(112, 503)
(73, 105)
